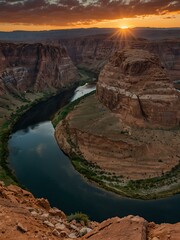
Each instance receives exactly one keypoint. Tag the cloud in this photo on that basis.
(40, 149)
(74, 12)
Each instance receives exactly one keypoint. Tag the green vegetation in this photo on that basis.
(5, 173)
(79, 217)
(86, 76)
(143, 189)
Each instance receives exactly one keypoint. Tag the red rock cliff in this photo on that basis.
(34, 67)
(93, 52)
(135, 85)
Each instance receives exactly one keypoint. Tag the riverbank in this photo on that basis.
(87, 131)
(9, 122)
(7, 125)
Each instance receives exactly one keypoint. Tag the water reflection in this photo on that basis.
(82, 90)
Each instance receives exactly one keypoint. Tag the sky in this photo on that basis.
(66, 14)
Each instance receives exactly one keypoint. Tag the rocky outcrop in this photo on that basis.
(34, 67)
(133, 228)
(93, 52)
(22, 216)
(135, 85)
(117, 228)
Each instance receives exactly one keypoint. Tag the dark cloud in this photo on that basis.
(69, 12)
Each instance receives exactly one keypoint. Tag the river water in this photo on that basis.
(47, 172)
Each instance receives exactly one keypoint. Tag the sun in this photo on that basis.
(124, 27)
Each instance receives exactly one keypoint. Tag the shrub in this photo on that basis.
(79, 217)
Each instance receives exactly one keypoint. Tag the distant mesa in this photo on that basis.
(135, 85)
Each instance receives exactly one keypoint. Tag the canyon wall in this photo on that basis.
(93, 52)
(35, 67)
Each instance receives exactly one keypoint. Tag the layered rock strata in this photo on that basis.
(94, 132)
(135, 85)
(93, 52)
(35, 67)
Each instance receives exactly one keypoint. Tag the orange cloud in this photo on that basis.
(83, 12)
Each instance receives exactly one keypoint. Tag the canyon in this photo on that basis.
(93, 52)
(122, 133)
(125, 140)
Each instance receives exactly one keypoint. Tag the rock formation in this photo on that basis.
(35, 67)
(133, 228)
(22, 216)
(129, 130)
(135, 85)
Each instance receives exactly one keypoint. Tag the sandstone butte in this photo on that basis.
(24, 217)
(129, 130)
(34, 67)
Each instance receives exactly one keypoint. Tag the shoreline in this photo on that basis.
(6, 128)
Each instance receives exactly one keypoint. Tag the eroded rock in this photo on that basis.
(136, 86)
(34, 67)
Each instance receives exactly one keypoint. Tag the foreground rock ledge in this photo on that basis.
(24, 217)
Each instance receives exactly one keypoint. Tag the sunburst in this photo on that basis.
(123, 36)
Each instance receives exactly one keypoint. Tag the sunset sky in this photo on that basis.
(61, 14)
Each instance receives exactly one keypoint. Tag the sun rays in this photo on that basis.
(123, 36)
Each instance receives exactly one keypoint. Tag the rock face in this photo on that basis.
(133, 228)
(135, 85)
(116, 228)
(24, 217)
(34, 67)
(93, 52)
